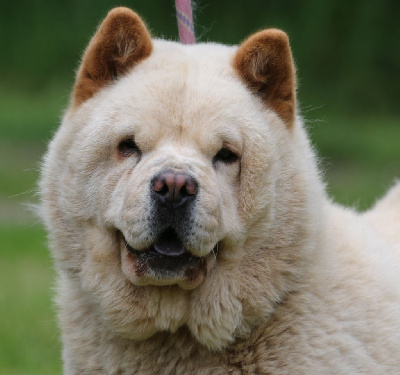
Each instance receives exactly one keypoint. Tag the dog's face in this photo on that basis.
(168, 188)
(164, 167)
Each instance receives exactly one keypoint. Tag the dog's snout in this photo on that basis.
(174, 187)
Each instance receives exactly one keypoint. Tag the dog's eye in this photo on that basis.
(128, 147)
(225, 156)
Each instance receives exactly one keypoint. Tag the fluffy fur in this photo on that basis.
(286, 283)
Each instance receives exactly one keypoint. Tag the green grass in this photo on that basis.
(29, 336)
(31, 116)
(361, 158)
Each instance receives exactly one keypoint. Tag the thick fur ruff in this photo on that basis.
(189, 225)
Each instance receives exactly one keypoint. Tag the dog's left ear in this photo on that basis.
(121, 41)
(264, 62)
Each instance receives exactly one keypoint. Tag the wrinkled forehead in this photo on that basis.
(180, 92)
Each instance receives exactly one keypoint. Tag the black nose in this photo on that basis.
(174, 187)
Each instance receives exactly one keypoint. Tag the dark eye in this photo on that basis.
(128, 147)
(225, 156)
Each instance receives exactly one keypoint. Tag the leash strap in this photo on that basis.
(185, 21)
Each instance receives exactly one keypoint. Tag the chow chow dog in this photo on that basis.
(190, 228)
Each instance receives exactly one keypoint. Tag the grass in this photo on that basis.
(360, 156)
(29, 336)
(31, 116)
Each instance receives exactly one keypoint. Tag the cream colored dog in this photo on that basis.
(189, 225)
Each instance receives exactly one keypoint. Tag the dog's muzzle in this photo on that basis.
(166, 261)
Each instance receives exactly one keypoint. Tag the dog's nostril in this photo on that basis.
(189, 187)
(160, 187)
(174, 187)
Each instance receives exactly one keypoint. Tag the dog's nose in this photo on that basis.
(174, 187)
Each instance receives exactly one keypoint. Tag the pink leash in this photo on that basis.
(185, 21)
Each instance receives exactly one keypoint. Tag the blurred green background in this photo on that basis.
(348, 59)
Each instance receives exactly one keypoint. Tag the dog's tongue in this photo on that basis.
(170, 245)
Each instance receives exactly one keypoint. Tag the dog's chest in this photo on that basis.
(179, 354)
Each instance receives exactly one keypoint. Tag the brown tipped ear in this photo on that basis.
(265, 63)
(121, 41)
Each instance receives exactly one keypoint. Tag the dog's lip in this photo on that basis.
(148, 266)
(168, 244)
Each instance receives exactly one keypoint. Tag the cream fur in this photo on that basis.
(299, 285)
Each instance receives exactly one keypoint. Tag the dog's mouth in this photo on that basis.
(167, 254)
(165, 262)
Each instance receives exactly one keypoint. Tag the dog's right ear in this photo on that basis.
(121, 41)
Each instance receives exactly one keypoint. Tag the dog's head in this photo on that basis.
(176, 190)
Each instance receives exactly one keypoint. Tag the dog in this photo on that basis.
(190, 227)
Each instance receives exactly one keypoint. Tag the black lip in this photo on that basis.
(173, 260)
(168, 244)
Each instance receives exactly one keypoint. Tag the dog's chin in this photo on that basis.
(164, 263)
